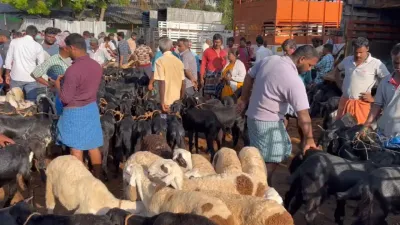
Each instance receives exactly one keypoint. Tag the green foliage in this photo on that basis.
(226, 7)
(31, 6)
(177, 4)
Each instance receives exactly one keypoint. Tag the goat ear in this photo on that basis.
(164, 169)
(177, 183)
(181, 161)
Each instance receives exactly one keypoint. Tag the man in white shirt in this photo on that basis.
(205, 46)
(263, 51)
(100, 55)
(22, 57)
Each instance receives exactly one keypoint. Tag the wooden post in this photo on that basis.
(291, 20)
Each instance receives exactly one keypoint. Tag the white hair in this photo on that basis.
(165, 44)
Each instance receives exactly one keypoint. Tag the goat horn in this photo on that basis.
(321, 128)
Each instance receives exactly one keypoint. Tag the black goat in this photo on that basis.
(121, 217)
(159, 123)
(175, 132)
(380, 195)
(108, 126)
(320, 175)
(24, 215)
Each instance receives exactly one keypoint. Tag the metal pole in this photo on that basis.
(323, 21)
(291, 19)
(308, 20)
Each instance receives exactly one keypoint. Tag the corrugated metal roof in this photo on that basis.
(123, 14)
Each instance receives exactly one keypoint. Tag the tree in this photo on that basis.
(42, 7)
(226, 7)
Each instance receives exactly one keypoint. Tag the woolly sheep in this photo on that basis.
(194, 165)
(227, 161)
(232, 183)
(253, 164)
(252, 210)
(76, 188)
(158, 199)
(156, 144)
(141, 158)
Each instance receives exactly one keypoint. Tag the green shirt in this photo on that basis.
(53, 67)
(306, 77)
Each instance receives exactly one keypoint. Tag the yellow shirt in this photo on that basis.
(170, 70)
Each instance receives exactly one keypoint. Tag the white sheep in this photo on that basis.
(194, 165)
(253, 164)
(252, 210)
(157, 199)
(227, 161)
(75, 187)
(143, 158)
(241, 183)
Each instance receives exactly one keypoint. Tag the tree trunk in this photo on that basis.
(102, 13)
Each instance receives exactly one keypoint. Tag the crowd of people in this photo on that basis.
(273, 86)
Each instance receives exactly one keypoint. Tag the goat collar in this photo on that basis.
(30, 216)
(127, 218)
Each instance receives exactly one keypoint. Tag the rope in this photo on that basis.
(30, 216)
(103, 102)
(127, 218)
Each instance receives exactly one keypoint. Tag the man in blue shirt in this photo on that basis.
(325, 65)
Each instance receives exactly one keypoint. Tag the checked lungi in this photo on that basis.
(80, 127)
(212, 79)
(271, 138)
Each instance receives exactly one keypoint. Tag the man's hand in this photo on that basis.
(150, 87)
(8, 79)
(165, 108)
(363, 133)
(57, 83)
(194, 82)
(366, 97)
(4, 140)
(241, 105)
(309, 144)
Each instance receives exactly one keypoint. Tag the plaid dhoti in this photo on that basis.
(212, 79)
(271, 138)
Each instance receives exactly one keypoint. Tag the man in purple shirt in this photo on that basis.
(79, 125)
(273, 83)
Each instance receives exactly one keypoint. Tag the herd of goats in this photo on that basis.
(165, 184)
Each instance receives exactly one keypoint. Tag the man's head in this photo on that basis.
(265, 42)
(31, 31)
(134, 36)
(102, 35)
(209, 42)
(50, 35)
(242, 42)
(316, 42)
(120, 36)
(305, 57)
(141, 41)
(217, 41)
(230, 42)
(174, 44)
(259, 41)
(328, 49)
(91, 35)
(190, 44)
(289, 46)
(183, 44)
(63, 51)
(75, 45)
(4, 36)
(86, 34)
(18, 35)
(360, 48)
(111, 36)
(248, 44)
(164, 44)
(94, 44)
(396, 58)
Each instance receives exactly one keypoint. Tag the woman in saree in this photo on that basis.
(233, 74)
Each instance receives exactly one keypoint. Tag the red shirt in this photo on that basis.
(393, 82)
(81, 82)
(211, 61)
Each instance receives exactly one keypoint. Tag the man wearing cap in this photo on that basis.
(56, 65)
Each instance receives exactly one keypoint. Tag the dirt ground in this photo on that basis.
(325, 216)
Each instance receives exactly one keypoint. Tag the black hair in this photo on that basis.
(307, 51)
(51, 30)
(360, 42)
(217, 37)
(121, 34)
(133, 34)
(185, 41)
(107, 38)
(141, 41)
(111, 34)
(329, 47)
(76, 40)
(289, 43)
(248, 42)
(31, 31)
(259, 40)
(395, 50)
(231, 39)
(242, 39)
(86, 33)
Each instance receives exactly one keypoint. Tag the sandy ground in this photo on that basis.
(279, 182)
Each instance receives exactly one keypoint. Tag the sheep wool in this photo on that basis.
(158, 199)
(75, 187)
(227, 161)
(253, 164)
(170, 173)
(202, 166)
(252, 210)
(141, 158)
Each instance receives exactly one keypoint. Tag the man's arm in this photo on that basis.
(183, 88)
(40, 71)
(68, 90)
(304, 122)
(373, 114)
(247, 86)
(9, 60)
(203, 66)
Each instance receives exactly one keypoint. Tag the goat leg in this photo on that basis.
(196, 141)
(210, 145)
(190, 134)
(340, 211)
